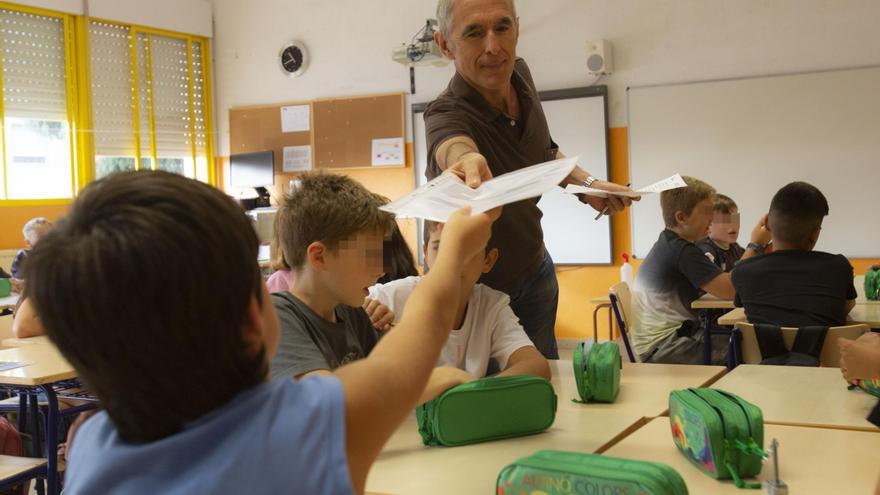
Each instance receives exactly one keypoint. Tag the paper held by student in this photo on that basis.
(441, 197)
(666, 184)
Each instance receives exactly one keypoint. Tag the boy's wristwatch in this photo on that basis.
(758, 248)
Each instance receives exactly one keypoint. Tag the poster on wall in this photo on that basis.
(297, 159)
(387, 152)
(295, 118)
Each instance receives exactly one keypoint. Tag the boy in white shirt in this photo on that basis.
(485, 326)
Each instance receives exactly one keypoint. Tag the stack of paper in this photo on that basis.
(441, 197)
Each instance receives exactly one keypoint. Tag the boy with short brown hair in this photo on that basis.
(673, 275)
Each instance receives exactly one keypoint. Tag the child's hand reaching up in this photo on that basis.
(760, 234)
(860, 358)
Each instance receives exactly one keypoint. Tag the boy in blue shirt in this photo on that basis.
(150, 288)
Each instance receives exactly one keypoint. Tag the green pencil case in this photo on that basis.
(488, 409)
(722, 434)
(597, 371)
(872, 285)
(553, 472)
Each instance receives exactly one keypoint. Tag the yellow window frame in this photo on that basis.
(78, 92)
(77, 123)
(207, 101)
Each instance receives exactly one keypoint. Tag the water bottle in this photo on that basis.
(626, 270)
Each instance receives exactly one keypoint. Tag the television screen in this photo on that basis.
(252, 169)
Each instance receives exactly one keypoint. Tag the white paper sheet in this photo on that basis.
(295, 118)
(673, 182)
(441, 197)
(297, 158)
(388, 152)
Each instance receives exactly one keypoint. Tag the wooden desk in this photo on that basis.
(602, 302)
(406, 466)
(799, 396)
(644, 387)
(8, 302)
(811, 460)
(869, 314)
(709, 301)
(16, 342)
(46, 365)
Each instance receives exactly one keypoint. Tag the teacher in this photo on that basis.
(488, 122)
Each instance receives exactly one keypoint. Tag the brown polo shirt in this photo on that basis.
(508, 145)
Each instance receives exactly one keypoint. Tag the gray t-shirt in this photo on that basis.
(669, 280)
(309, 342)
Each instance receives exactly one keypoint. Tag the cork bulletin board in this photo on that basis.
(344, 128)
(259, 129)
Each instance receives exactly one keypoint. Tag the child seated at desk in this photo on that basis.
(720, 246)
(182, 374)
(33, 231)
(331, 231)
(333, 234)
(795, 286)
(673, 275)
(485, 326)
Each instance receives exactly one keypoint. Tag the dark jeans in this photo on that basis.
(534, 303)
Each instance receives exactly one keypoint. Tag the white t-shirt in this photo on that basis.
(490, 328)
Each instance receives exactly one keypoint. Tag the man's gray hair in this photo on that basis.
(444, 15)
(30, 228)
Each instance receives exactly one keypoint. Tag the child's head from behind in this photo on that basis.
(796, 214)
(331, 227)
(34, 230)
(150, 287)
(725, 220)
(688, 210)
(481, 263)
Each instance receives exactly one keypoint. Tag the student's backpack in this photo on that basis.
(488, 409)
(872, 285)
(805, 350)
(11, 444)
(555, 472)
(720, 433)
(597, 371)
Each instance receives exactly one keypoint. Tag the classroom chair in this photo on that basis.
(830, 356)
(625, 314)
(859, 282)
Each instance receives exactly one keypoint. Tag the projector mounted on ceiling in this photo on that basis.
(421, 50)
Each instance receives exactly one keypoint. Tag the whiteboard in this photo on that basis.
(749, 137)
(578, 124)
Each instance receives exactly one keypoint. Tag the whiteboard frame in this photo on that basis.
(550, 95)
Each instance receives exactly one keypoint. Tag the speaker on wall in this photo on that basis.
(599, 57)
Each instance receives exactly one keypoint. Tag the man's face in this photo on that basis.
(482, 42)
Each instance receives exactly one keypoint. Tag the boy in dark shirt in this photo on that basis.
(720, 246)
(795, 286)
(673, 275)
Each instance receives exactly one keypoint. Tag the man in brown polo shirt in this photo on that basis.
(488, 122)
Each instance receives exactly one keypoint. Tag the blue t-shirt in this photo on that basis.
(279, 437)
